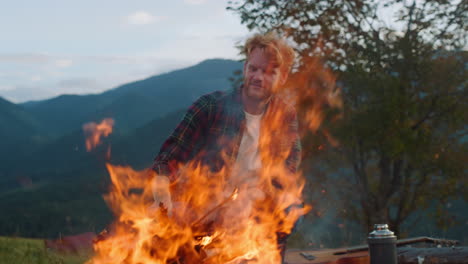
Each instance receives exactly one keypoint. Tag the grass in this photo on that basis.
(33, 251)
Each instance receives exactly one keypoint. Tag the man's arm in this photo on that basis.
(179, 148)
(186, 139)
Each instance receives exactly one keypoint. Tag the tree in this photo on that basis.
(403, 132)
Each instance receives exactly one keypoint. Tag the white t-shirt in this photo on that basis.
(244, 174)
(248, 157)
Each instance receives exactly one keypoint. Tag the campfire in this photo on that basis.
(215, 219)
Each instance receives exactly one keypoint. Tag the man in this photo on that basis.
(233, 129)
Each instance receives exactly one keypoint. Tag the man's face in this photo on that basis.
(262, 75)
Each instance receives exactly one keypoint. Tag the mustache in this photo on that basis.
(256, 83)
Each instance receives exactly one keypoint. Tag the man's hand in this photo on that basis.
(161, 194)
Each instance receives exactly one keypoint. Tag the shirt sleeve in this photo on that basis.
(185, 140)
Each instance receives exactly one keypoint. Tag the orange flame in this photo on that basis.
(210, 223)
(94, 132)
(216, 218)
(315, 88)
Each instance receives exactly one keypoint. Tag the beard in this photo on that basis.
(256, 91)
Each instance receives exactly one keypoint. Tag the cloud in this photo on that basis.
(195, 2)
(25, 58)
(67, 60)
(39, 76)
(124, 60)
(63, 63)
(36, 58)
(142, 18)
(79, 85)
(26, 93)
(41, 91)
(6, 87)
(36, 78)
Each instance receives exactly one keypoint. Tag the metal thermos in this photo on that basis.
(382, 245)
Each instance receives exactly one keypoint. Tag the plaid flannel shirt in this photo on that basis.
(214, 124)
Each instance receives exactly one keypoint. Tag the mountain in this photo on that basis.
(58, 121)
(16, 122)
(66, 157)
(66, 183)
(20, 132)
(133, 104)
(139, 148)
(51, 178)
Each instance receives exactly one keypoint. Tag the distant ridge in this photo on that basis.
(55, 179)
(20, 131)
(135, 103)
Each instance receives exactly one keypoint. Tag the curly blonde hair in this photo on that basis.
(274, 45)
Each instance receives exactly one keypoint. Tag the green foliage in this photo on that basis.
(33, 251)
(56, 207)
(19, 132)
(402, 135)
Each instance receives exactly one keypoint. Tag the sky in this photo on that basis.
(53, 47)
